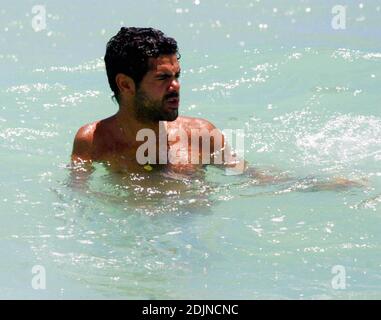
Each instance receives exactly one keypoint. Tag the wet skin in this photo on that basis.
(101, 141)
(113, 140)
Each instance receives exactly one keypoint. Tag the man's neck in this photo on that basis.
(129, 128)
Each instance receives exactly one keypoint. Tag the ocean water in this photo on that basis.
(308, 99)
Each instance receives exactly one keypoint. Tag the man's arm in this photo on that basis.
(81, 158)
(82, 146)
(221, 154)
(234, 165)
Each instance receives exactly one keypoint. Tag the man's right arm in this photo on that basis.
(81, 158)
(83, 145)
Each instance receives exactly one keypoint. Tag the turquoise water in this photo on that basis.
(308, 99)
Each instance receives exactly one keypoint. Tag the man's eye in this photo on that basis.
(165, 77)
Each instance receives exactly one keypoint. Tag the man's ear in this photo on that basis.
(126, 84)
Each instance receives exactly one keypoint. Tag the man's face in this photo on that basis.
(158, 96)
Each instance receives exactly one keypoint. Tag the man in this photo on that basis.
(143, 71)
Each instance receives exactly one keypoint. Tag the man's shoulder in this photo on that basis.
(86, 131)
(197, 128)
(83, 141)
(189, 123)
(85, 134)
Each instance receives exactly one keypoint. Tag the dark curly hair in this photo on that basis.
(129, 50)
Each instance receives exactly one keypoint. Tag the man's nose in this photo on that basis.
(175, 85)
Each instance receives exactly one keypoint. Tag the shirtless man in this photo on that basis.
(143, 71)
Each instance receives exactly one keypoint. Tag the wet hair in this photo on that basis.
(129, 50)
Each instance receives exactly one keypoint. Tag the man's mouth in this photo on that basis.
(173, 103)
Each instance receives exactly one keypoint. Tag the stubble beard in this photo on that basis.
(148, 110)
